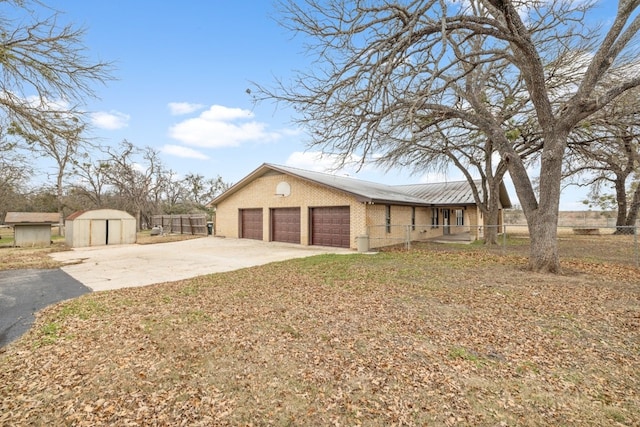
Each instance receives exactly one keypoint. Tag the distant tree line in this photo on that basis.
(125, 177)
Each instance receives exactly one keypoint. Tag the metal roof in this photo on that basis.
(441, 193)
(451, 193)
(364, 191)
(447, 193)
(32, 218)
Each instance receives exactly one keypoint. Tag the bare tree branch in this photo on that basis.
(387, 75)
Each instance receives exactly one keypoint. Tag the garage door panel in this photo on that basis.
(285, 225)
(251, 224)
(330, 226)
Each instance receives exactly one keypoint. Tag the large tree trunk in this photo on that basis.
(61, 226)
(542, 211)
(621, 198)
(492, 202)
(138, 217)
(490, 228)
(632, 215)
(543, 221)
(490, 219)
(543, 231)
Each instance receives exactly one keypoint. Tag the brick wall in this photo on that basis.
(365, 218)
(261, 193)
(400, 230)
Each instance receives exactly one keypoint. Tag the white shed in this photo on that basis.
(100, 227)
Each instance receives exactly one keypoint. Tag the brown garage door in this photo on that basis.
(251, 224)
(330, 226)
(285, 225)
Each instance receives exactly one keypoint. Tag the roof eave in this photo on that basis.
(399, 202)
(266, 166)
(505, 201)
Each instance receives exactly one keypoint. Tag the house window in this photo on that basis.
(459, 217)
(413, 218)
(434, 218)
(388, 218)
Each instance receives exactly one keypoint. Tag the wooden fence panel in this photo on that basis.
(182, 224)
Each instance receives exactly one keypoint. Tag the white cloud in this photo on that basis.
(139, 167)
(292, 132)
(180, 108)
(431, 177)
(309, 160)
(47, 104)
(111, 120)
(319, 162)
(184, 152)
(221, 126)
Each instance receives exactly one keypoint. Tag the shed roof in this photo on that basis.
(32, 218)
(100, 214)
(452, 193)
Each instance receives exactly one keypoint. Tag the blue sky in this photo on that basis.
(182, 71)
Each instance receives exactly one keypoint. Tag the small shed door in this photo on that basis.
(285, 225)
(97, 232)
(114, 232)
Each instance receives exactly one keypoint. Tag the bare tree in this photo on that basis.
(61, 148)
(605, 149)
(174, 192)
(15, 171)
(472, 154)
(135, 180)
(201, 190)
(191, 193)
(136, 175)
(437, 140)
(387, 71)
(45, 72)
(88, 180)
(46, 78)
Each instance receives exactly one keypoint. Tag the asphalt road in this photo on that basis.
(24, 292)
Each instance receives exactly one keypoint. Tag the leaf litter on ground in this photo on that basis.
(400, 338)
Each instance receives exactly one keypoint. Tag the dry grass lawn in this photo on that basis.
(24, 258)
(435, 336)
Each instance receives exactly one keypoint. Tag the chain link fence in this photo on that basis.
(589, 243)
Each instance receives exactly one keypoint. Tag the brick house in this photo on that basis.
(286, 204)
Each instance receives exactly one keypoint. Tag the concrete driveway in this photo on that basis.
(113, 267)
